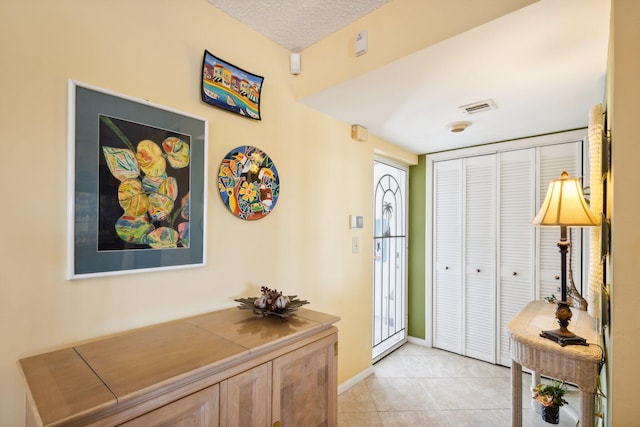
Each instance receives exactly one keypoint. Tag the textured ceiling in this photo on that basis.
(297, 24)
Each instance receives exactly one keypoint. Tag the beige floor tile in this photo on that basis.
(399, 394)
(417, 362)
(356, 399)
(414, 418)
(359, 419)
(419, 386)
(488, 418)
(469, 393)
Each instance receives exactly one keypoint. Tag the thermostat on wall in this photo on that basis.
(356, 221)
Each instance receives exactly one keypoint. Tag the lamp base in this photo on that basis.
(561, 338)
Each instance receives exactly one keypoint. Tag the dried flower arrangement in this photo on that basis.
(271, 302)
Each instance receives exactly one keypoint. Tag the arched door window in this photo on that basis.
(389, 245)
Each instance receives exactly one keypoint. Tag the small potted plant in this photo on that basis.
(551, 397)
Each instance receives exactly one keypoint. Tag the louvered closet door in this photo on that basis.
(447, 241)
(479, 283)
(553, 160)
(516, 239)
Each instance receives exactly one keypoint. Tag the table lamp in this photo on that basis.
(564, 206)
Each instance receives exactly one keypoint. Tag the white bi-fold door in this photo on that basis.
(488, 261)
(464, 256)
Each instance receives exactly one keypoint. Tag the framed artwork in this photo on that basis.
(136, 185)
(248, 183)
(231, 88)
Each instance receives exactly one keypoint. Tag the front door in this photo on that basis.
(390, 258)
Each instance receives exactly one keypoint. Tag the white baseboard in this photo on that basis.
(418, 341)
(355, 380)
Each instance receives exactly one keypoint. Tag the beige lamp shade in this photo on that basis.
(564, 205)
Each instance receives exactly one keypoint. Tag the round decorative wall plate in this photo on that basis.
(248, 183)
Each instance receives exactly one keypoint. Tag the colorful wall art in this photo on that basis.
(248, 183)
(230, 88)
(136, 186)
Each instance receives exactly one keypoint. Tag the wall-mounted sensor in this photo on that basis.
(359, 133)
(294, 63)
(362, 43)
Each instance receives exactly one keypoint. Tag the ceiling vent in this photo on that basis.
(478, 107)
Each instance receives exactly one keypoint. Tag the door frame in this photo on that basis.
(398, 165)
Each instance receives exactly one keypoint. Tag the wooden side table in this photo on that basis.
(575, 364)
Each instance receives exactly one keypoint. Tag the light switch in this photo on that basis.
(355, 245)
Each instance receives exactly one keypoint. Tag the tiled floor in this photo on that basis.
(420, 386)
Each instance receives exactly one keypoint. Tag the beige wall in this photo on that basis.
(153, 50)
(624, 280)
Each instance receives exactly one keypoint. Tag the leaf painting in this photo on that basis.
(144, 187)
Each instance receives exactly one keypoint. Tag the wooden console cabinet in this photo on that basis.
(221, 369)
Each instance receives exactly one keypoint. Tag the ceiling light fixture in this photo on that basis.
(456, 127)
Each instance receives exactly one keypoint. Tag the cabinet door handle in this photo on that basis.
(276, 424)
(477, 270)
(557, 277)
(515, 273)
(446, 268)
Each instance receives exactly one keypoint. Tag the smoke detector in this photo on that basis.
(478, 107)
(456, 127)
